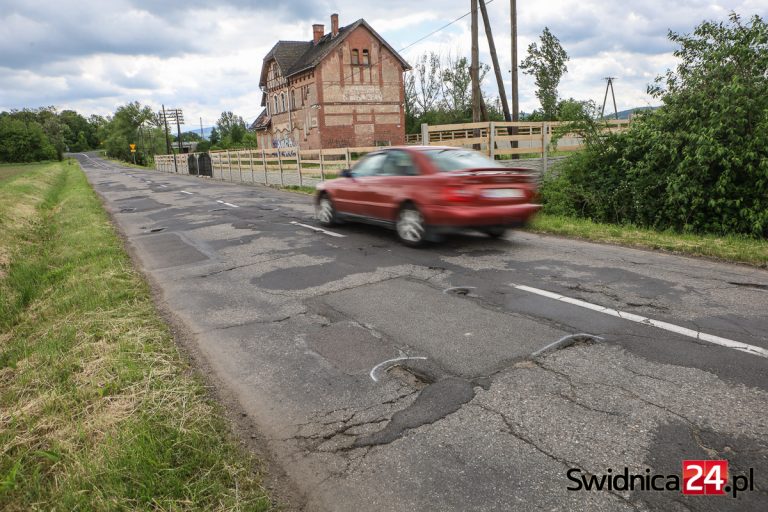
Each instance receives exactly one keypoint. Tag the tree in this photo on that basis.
(215, 137)
(231, 127)
(123, 129)
(22, 139)
(547, 65)
(698, 163)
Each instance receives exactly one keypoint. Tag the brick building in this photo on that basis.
(342, 89)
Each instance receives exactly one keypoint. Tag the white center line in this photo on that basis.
(185, 192)
(319, 230)
(717, 340)
(228, 204)
(163, 186)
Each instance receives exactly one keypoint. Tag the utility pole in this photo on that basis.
(474, 69)
(168, 142)
(515, 98)
(495, 60)
(609, 84)
(201, 129)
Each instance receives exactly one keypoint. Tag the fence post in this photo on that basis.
(424, 134)
(322, 170)
(229, 165)
(264, 162)
(348, 158)
(298, 165)
(545, 138)
(280, 165)
(492, 140)
(239, 166)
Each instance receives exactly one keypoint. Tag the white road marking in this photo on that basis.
(185, 192)
(163, 186)
(388, 362)
(319, 230)
(711, 338)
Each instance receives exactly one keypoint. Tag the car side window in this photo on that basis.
(369, 165)
(399, 163)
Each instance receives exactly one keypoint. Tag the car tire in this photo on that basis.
(325, 211)
(494, 232)
(411, 228)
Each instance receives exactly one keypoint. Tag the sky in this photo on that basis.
(205, 57)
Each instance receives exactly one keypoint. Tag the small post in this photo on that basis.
(239, 166)
(250, 165)
(348, 158)
(424, 134)
(280, 166)
(322, 170)
(264, 162)
(492, 140)
(545, 138)
(229, 165)
(298, 166)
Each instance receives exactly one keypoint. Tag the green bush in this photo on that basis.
(700, 162)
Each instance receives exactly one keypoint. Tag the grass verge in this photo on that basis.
(734, 248)
(98, 410)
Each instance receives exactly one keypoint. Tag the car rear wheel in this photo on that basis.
(325, 211)
(495, 232)
(410, 226)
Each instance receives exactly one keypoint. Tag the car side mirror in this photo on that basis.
(346, 173)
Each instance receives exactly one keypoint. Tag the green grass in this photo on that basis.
(734, 248)
(98, 409)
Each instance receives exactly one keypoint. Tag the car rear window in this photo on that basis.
(447, 160)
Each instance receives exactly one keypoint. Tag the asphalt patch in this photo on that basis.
(434, 403)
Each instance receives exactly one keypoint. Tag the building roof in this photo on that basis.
(262, 122)
(295, 57)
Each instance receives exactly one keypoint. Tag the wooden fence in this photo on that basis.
(290, 166)
(500, 139)
(270, 166)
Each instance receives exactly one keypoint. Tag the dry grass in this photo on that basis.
(98, 410)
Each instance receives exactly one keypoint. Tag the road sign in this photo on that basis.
(133, 147)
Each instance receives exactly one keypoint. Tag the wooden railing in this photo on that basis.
(499, 139)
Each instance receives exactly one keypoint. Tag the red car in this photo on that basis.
(424, 191)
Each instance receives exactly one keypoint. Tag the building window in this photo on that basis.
(366, 58)
(293, 98)
(276, 110)
(355, 57)
(282, 99)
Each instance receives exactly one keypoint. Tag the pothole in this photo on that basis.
(219, 210)
(127, 210)
(459, 290)
(156, 230)
(410, 377)
(568, 341)
(758, 286)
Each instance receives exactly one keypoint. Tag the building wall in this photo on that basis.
(340, 104)
(362, 105)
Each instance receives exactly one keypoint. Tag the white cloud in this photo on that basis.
(205, 57)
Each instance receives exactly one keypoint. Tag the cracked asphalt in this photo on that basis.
(302, 329)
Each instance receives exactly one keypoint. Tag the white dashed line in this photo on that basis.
(163, 186)
(684, 331)
(319, 230)
(185, 192)
(228, 204)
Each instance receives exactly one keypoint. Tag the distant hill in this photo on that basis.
(624, 114)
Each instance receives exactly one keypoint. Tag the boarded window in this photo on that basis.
(366, 58)
(355, 57)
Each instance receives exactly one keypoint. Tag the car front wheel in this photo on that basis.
(411, 228)
(325, 211)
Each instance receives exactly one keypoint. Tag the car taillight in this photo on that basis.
(458, 194)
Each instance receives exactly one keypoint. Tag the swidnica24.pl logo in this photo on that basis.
(699, 477)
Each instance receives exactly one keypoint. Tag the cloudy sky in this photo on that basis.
(205, 56)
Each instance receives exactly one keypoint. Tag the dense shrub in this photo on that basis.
(698, 163)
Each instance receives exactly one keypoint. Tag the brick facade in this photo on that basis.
(344, 90)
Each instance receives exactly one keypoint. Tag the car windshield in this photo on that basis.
(447, 160)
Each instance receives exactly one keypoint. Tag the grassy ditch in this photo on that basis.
(98, 410)
(735, 248)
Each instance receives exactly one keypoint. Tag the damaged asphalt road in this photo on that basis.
(387, 378)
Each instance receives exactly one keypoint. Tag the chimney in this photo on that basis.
(317, 32)
(334, 25)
